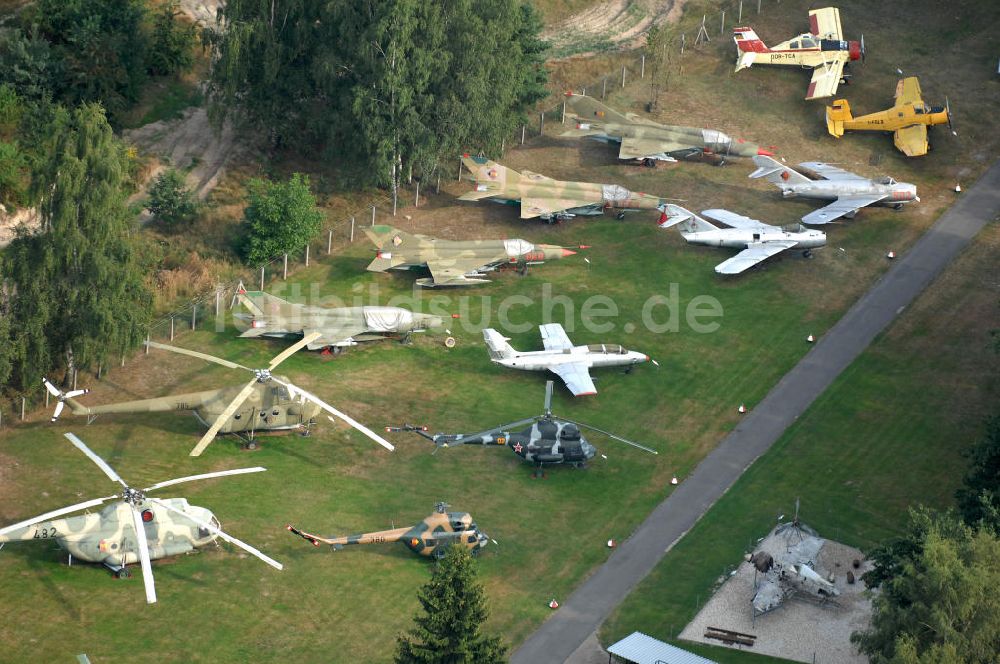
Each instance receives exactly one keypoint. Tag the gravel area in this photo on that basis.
(800, 629)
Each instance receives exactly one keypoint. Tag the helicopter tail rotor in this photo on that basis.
(61, 397)
(301, 533)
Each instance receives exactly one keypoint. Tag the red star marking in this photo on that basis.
(518, 447)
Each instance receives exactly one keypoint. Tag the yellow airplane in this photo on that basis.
(908, 119)
(822, 49)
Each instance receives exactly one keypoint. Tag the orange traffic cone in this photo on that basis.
(673, 480)
(891, 255)
(612, 544)
(553, 604)
(810, 338)
(742, 409)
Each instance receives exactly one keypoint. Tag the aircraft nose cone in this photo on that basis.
(567, 252)
(764, 153)
(854, 49)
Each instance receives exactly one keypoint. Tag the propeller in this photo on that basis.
(261, 376)
(947, 110)
(134, 498)
(864, 53)
(61, 397)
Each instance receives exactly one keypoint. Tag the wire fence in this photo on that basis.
(208, 307)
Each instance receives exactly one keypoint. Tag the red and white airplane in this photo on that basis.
(823, 48)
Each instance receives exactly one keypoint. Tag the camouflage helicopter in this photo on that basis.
(550, 439)
(430, 537)
(267, 403)
(135, 528)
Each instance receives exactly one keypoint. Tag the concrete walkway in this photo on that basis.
(587, 608)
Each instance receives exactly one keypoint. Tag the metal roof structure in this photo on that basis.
(642, 649)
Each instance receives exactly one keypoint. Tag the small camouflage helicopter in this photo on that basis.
(267, 403)
(549, 440)
(430, 537)
(135, 528)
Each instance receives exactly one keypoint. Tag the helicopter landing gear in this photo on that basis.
(119, 571)
(251, 444)
(522, 269)
(406, 339)
(620, 216)
(897, 207)
(807, 254)
(628, 370)
(439, 553)
(649, 162)
(538, 473)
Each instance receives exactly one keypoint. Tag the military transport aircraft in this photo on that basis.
(338, 327)
(549, 440)
(908, 119)
(822, 49)
(137, 528)
(548, 199)
(569, 362)
(757, 239)
(849, 192)
(644, 140)
(455, 262)
(430, 537)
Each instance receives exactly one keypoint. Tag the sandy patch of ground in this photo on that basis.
(800, 629)
(622, 23)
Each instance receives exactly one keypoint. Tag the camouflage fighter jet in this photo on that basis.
(646, 141)
(338, 327)
(455, 262)
(430, 537)
(758, 240)
(849, 192)
(137, 528)
(569, 362)
(823, 49)
(548, 199)
(267, 403)
(549, 440)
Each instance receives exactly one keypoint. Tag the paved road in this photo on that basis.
(584, 611)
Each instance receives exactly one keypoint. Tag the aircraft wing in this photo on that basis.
(825, 79)
(640, 148)
(912, 140)
(554, 337)
(753, 254)
(825, 23)
(829, 172)
(840, 207)
(453, 270)
(908, 91)
(531, 175)
(536, 207)
(576, 375)
(734, 220)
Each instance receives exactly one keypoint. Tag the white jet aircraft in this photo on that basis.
(757, 239)
(569, 362)
(848, 191)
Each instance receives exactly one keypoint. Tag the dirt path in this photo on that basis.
(610, 25)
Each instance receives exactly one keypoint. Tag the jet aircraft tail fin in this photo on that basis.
(488, 174)
(685, 220)
(497, 345)
(836, 116)
(776, 172)
(268, 313)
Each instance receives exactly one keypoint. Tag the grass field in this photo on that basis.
(350, 605)
(887, 435)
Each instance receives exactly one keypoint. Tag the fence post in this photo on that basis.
(682, 44)
(23, 400)
(459, 177)
(541, 122)
(642, 66)
(329, 240)
(171, 328)
(395, 196)
(262, 277)
(352, 232)
(194, 315)
(146, 351)
(284, 273)
(416, 198)
(623, 76)
(218, 298)
(1, 418)
(100, 370)
(758, 6)
(739, 14)
(437, 189)
(307, 255)
(373, 213)
(76, 374)
(722, 25)
(562, 118)
(523, 127)
(47, 398)
(123, 363)
(604, 89)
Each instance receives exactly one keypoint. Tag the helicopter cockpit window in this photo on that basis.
(808, 42)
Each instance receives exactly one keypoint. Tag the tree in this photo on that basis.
(658, 46)
(280, 218)
(172, 42)
(979, 496)
(170, 201)
(449, 631)
(30, 68)
(79, 292)
(941, 604)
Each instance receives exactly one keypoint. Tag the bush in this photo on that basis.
(281, 217)
(171, 49)
(170, 201)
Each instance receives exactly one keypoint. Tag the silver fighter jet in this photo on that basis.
(569, 362)
(849, 192)
(757, 239)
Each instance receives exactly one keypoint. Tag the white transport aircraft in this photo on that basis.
(757, 239)
(569, 362)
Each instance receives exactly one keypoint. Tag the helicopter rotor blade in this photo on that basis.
(519, 423)
(54, 513)
(343, 416)
(59, 409)
(294, 348)
(53, 390)
(223, 417)
(218, 532)
(194, 353)
(101, 463)
(204, 476)
(143, 546)
(611, 435)
(548, 397)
